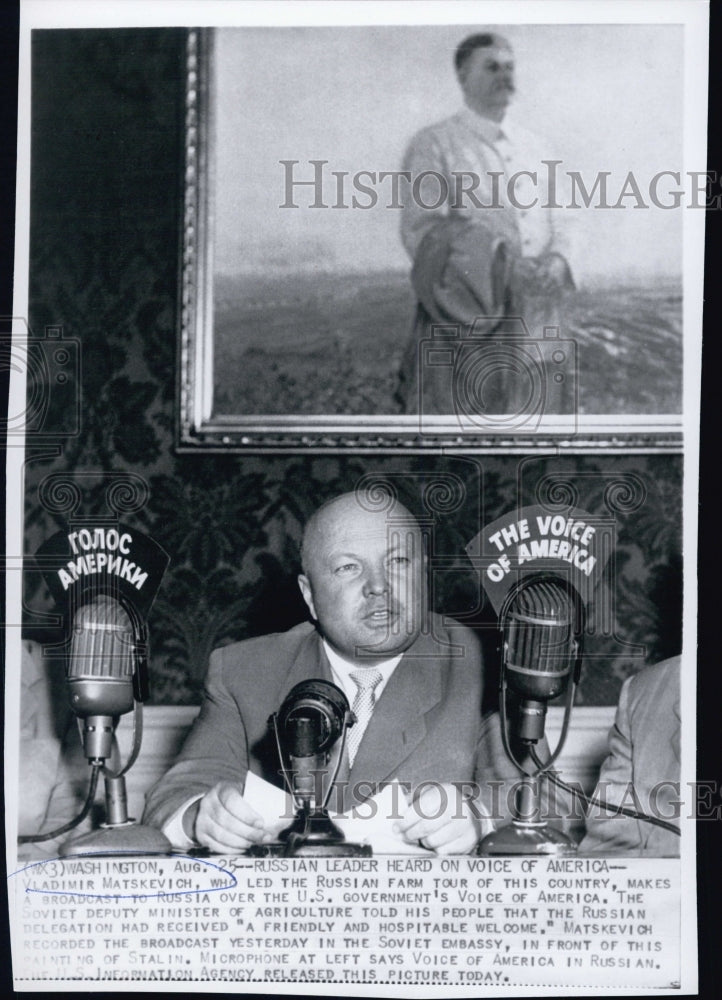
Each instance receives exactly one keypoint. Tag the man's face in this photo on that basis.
(365, 580)
(487, 79)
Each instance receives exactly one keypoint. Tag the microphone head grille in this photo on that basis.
(543, 602)
(313, 713)
(539, 630)
(102, 641)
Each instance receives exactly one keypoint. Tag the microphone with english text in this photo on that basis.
(542, 625)
(541, 572)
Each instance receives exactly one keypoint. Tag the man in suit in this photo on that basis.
(642, 768)
(413, 681)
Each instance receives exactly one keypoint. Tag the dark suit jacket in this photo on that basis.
(425, 725)
(643, 755)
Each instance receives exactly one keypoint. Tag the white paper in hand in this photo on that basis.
(369, 823)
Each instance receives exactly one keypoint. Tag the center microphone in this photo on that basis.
(310, 721)
(314, 715)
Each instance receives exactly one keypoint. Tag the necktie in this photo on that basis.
(366, 681)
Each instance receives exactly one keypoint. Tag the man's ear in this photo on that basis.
(305, 585)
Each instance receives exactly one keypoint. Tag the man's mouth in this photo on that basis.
(380, 615)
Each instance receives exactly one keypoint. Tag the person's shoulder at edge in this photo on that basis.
(655, 675)
(237, 654)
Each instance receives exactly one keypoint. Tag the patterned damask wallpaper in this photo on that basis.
(106, 185)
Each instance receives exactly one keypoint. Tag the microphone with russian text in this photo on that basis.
(106, 678)
(542, 625)
(102, 662)
(105, 580)
(313, 717)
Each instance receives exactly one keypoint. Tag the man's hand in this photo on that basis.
(225, 822)
(441, 820)
(545, 274)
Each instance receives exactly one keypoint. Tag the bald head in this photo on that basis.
(364, 575)
(353, 510)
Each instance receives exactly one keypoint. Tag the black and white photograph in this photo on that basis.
(351, 498)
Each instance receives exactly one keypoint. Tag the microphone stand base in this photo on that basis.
(312, 834)
(121, 838)
(519, 838)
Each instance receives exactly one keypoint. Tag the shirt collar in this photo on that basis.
(490, 131)
(343, 667)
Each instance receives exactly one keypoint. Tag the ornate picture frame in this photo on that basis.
(208, 420)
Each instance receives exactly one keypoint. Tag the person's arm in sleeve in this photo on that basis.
(424, 154)
(202, 794)
(562, 222)
(606, 831)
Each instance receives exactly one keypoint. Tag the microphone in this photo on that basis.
(104, 578)
(541, 622)
(540, 648)
(106, 677)
(101, 665)
(310, 721)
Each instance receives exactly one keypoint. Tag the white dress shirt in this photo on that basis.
(471, 144)
(341, 669)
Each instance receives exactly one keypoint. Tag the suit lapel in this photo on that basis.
(398, 723)
(311, 663)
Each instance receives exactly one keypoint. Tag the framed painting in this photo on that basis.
(310, 159)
